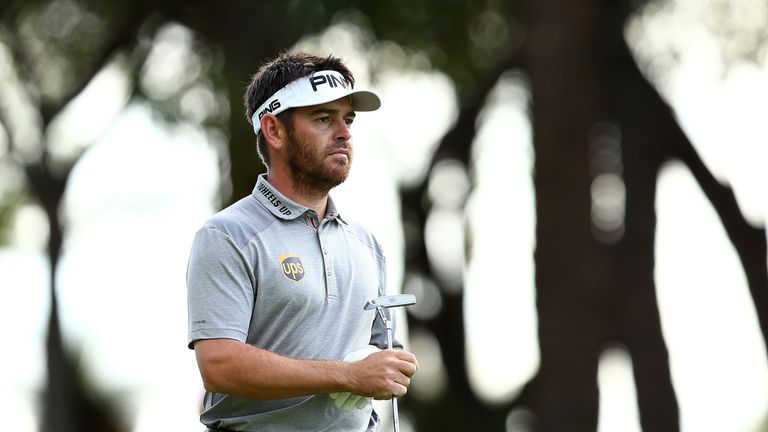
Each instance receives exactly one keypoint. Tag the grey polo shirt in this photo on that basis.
(266, 272)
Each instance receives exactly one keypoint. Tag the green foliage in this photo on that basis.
(9, 204)
(466, 39)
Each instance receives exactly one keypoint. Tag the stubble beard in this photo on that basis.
(311, 174)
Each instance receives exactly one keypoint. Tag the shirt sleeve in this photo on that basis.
(220, 288)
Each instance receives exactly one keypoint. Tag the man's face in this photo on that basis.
(319, 145)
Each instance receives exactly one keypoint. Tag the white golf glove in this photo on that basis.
(346, 400)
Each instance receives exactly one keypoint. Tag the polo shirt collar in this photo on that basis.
(332, 213)
(281, 206)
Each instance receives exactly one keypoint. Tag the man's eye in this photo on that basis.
(349, 121)
(324, 119)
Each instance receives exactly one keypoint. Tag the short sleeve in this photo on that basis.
(220, 288)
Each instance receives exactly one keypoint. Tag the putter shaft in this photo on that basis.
(387, 302)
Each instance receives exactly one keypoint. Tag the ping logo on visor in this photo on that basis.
(330, 79)
(292, 267)
(315, 89)
(275, 104)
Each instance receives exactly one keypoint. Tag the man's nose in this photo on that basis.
(342, 131)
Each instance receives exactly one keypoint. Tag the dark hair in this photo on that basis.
(278, 73)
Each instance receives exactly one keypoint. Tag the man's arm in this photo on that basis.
(232, 367)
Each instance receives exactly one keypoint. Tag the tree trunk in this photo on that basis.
(594, 286)
(559, 56)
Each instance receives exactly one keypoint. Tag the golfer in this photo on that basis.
(277, 282)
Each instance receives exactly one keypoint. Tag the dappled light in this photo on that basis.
(618, 404)
(171, 64)
(21, 123)
(607, 192)
(3, 141)
(431, 381)
(411, 131)
(89, 115)
(197, 103)
(445, 228)
(520, 420)
(741, 25)
(714, 97)
(57, 39)
(30, 227)
(430, 301)
(491, 35)
(699, 278)
(501, 226)
(444, 238)
(608, 196)
(121, 198)
(448, 185)
(180, 74)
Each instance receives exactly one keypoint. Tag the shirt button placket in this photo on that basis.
(331, 288)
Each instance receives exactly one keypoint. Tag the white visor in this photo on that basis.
(315, 89)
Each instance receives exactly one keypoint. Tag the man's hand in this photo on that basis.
(233, 367)
(346, 400)
(384, 374)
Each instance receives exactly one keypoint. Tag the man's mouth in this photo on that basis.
(340, 151)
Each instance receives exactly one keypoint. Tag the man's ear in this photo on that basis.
(273, 131)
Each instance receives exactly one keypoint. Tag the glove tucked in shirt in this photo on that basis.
(346, 400)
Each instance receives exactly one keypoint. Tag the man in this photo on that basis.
(277, 281)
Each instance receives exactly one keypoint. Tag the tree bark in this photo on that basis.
(591, 292)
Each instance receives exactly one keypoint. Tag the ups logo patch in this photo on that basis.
(292, 267)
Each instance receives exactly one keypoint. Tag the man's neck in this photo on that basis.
(300, 194)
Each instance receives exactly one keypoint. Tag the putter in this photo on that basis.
(380, 303)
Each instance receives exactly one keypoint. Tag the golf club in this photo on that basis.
(380, 303)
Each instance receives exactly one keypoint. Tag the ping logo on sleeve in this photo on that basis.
(292, 267)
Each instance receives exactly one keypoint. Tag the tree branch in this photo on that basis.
(749, 241)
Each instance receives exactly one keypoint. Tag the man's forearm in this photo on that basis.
(232, 367)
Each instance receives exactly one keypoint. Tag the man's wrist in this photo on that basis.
(341, 377)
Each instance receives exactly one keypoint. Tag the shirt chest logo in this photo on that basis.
(292, 267)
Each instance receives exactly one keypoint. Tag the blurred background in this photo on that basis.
(574, 191)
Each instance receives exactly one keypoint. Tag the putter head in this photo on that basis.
(391, 301)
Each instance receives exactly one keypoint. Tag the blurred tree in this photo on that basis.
(599, 128)
(51, 51)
